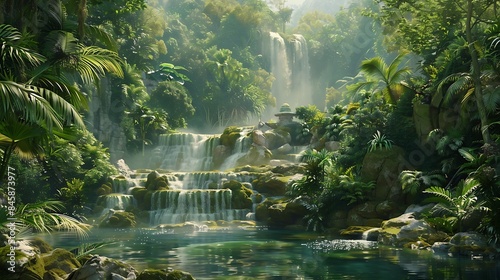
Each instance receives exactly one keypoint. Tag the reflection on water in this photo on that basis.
(264, 254)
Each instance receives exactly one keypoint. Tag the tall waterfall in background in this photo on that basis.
(301, 90)
(289, 63)
(279, 68)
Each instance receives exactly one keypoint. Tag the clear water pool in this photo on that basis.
(264, 254)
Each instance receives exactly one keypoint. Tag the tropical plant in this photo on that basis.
(169, 72)
(379, 142)
(43, 217)
(383, 78)
(412, 181)
(72, 196)
(458, 204)
(346, 186)
(312, 182)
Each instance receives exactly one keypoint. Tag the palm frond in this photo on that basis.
(95, 62)
(102, 35)
(374, 67)
(441, 193)
(64, 109)
(45, 217)
(12, 51)
(26, 102)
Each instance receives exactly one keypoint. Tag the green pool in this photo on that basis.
(264, 254)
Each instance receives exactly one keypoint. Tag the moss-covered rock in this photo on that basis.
(354, 232)
(383, 167)
(241, 195)
(98, 267)
(104, 189)
(276, 138)
(179, 275)
(60, 262)
(119, 219)
(147, 200)
(229, 136)
(280, 214)
(256, 155)
(42, 246)
(152, 274)
(155, 181)
(271, 184)
(470, 244)
(139, 194)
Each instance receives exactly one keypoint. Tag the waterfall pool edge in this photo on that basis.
(259, 253)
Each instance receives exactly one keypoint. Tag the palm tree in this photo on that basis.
(380, 77)
(42, 92)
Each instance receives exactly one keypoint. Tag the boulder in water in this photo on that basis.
(119, 219)
(98, 267)
(241, 195)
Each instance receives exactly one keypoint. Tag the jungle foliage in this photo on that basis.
(199, 64)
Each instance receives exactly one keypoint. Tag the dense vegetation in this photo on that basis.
(198, 64)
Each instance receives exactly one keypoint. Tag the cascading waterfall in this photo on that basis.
(240, 149)
(289, 64)
(185, 151)
(196, 194)
(178, 206)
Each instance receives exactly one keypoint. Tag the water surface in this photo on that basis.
(264, 254)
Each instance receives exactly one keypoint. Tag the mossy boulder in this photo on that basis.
(241, 195)
(98, 267)
(60, 262)
(280, 214)
(383, 167)
(256, 155)
(104, 189)
(179, 275)
(229, 136)
(139, 194)
(152, 274)
(392, 227)
(28, 263)
(42, 246)
(289, 169)
(471, 244)
(119, 219)
(354, 232)
(271, 184)
(155, 181)
(276, 138)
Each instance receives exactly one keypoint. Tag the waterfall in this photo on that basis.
(300, 77)
(240, 149)
(116, 201)
(289, 64)
(186, 151)
(178, 206)
(279, 68)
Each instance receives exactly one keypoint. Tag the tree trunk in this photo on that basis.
(476, 75)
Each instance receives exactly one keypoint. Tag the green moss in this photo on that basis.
(43, 246)
(119, 220)
(179, 275)
(241, 195)
(104, 190)
(60, 261)
(152, 274)
(354, 231)
(147, 200)
(229, 136)
(139, 194)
